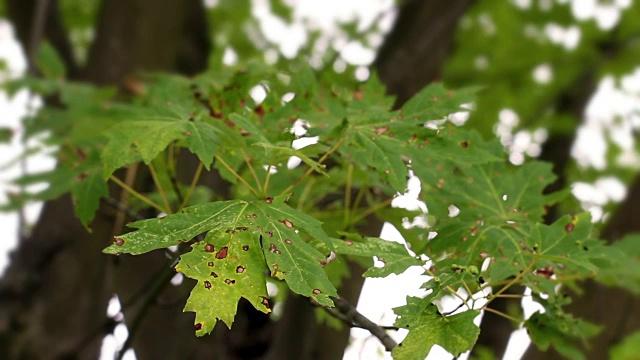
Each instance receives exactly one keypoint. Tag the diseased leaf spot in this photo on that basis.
(381, 130)
(210, 263)
(464, 144)
(222, 253)
(213, 274)
(269, 200)
(270, 233)
(265, 302)
(348, 242)
(229, 281)
(118, 241)
(287, 241)
(242, 228)
(322, 262)
(569, 227)
(316, 291)
(245, 247)
(240, 269)
(207, 284)
(198, 326)
(209, 248)
(287, 223)
(186, 133)
(274, 249)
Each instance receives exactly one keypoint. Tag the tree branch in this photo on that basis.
(348, 313)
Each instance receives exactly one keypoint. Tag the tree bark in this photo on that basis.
(55, 292)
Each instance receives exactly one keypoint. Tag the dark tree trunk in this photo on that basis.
(55, 292)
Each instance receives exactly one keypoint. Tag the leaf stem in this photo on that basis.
(358, 199)
(372, 210)
(305, 193)
(513, 281)
(194, 182)
(163, 195)
(252, 171)
(265, 186)
(504, 315)
(237, 176)
(133, 192)
(320, 161)
(347, 196)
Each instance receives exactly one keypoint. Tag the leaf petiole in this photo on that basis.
(133, 192)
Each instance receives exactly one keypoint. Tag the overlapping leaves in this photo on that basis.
(243, 239)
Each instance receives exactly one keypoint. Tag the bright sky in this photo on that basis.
(379, 296)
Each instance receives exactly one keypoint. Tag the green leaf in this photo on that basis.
(393, 255)
(232, 268)
(145, 135)
(319, 168)
(49, 62)
(435, 101)
(628, 349)
(427, 327)
(86, 195)
(270, 229)
(5, 135)
(560, 330)
(623, 266)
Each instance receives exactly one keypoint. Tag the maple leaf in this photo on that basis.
(427, 327)
(243, 240)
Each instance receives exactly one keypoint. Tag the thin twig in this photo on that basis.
(161, 191)
(194, 182)
(253, 172)
(353, 316)
(333, 149)
(237, 176)
(506, 316)
(122, 208)
(133, 192)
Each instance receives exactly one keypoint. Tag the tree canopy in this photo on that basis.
(188, 140)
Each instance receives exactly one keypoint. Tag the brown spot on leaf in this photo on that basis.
(274, 249)
(265, 302)
(207, 284)
(209, 248)
(229, 281)
(186, 133)
(118, 241)
(464, 144)
(197, 326)
(316, 291)
(245, 247)
(287, 241)
(381, 130)
(270, 233)
(287, 223)
(213, 274)
(210, 263)
(222, 253)
(240, 269)
(348, 242)
(269, 200)
(569, 227)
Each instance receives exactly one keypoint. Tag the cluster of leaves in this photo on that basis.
(268, 227)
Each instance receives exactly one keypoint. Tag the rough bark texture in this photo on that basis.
(55, 293)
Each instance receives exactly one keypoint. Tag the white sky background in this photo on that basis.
(379, 296)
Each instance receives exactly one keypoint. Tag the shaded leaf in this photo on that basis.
(427, 327)
(393, 255)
